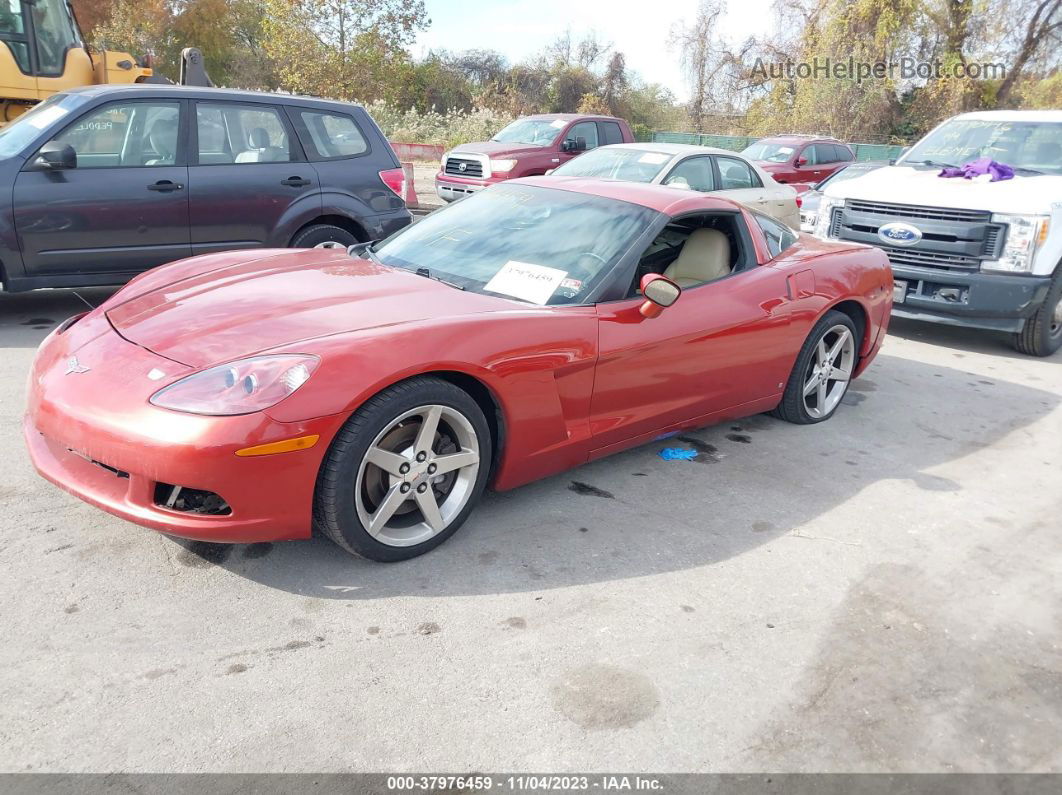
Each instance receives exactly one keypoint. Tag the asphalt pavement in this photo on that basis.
(876, 593)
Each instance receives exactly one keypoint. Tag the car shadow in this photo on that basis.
(956, 338)
(635, 514)
(27, 318)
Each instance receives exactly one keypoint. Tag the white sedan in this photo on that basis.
(700, 168)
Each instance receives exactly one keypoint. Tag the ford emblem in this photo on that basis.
(900, 234)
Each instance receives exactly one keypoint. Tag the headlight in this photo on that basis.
(442, 162)
(502, 165)
(240, 387)
(1025, 234)
(825, 214)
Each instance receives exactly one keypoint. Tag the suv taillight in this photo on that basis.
(395, 179)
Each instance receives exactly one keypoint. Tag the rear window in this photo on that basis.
(331, 136)
(610, 132)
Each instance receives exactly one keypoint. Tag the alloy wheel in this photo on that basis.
(417, 475)
(829, 371)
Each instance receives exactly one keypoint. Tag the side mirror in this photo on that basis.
(56, 156)
(660, 292)
(801, 161)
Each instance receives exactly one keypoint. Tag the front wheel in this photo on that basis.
(405, 471)
(323, 233)
(822, 371)
(1042, 334)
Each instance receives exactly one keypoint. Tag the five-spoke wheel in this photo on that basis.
(405, 471)
(823, 370)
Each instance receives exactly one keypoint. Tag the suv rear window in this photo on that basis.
(610, 132)
(331, 136)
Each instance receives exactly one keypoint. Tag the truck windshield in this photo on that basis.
(536, 132)
(770, 153)
(538, 245)
(20, 133)
(1032, 145)
(616, 162)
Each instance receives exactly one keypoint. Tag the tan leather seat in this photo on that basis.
(705, 257)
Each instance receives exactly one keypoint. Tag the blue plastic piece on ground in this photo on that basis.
(677, 454)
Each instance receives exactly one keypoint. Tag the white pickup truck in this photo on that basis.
(968, 252)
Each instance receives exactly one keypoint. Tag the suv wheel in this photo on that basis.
(322, 233)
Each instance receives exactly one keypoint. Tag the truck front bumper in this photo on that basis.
(994, 301)
(449, 188)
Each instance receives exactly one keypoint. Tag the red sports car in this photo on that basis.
(373, 394)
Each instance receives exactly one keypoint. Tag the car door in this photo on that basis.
(722, 345)
(123, 208)
(248, 175)
(587, 131)
(737, 180)
(692, 173)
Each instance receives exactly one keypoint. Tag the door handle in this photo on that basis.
(165, 185)
(295, 182)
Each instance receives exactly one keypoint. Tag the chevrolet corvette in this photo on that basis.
(371, 394)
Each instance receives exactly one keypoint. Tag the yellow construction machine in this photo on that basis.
(42, 52)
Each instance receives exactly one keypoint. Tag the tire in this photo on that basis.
(1042, 334)
(322, 233)
(352, 490)
(801, 409)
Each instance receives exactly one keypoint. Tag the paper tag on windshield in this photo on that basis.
(534, 283)
(653, 158)
(558, 123)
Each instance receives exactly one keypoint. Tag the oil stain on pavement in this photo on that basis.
(599, 696)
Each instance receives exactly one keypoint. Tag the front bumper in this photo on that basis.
(94, 434)
(450, 188)
(994, 301)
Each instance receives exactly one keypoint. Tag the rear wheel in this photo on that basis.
(322, 233)
(405, 471)
(822, 372)
(1042, 334)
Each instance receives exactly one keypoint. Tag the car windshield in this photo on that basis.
(616, 162)
(20, 133)
(1022, 145)
(846, 173)
(770, 153)
(536, 132)
(539, 245)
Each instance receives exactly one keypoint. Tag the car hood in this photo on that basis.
(258, 302)
(497, 149)
(906, 185)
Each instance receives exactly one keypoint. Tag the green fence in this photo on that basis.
(738, 142)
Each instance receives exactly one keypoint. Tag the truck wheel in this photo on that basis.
(1042, 334)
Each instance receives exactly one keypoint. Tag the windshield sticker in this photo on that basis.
(46, 116)
(653, 158)
(534, 283)
(558, 123)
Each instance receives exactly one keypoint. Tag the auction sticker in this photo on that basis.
(654, 158)
(528, 282)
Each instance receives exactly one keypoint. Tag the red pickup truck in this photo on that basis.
(531, 145)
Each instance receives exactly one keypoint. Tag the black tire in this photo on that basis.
(1042, 334)
(335, 511)
(322, 233)
(793, 408)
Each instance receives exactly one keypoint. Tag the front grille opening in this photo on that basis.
(186, 500)
(472, 168)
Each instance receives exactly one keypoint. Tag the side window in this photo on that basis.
(610, 132)
(125, 134)
(779, 236)
(735, 174)
(693, 173)
(55, 32)
(238, 133)
(825, 153)
(587, 130)
(841, 153)
(809, 155)
(13, 32)
(329, 136)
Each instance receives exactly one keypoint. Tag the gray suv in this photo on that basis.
(104, 182)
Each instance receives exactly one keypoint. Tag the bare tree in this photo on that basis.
(1041, 30)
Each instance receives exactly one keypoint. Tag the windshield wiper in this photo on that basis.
(936, 163)
(427, 274)
(1023, 170)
